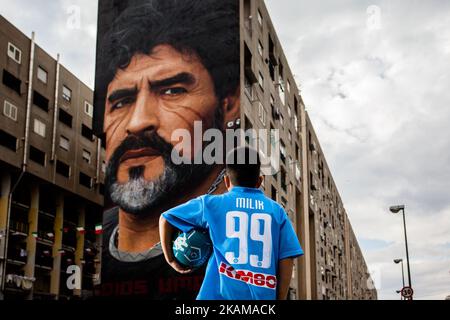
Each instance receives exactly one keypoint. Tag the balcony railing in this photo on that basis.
(17, 254)
(19, 226)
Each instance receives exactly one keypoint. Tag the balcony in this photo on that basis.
(44, 258)
(18, 228)
(248, 89)
(17, 254)
(314, 184)
(46, 237)
(249, 66)
(19, 282)
(248, 26)
(283, 179)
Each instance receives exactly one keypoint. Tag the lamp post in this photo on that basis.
(396, 209)
(397, 261)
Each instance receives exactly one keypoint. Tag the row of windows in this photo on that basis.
(10, 111)
(42, 75)
(39, 127)
(39, 100)
(284, 89)
(39, 157)
(14, 53)
(62, 168)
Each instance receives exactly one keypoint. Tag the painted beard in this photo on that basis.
(139, 196)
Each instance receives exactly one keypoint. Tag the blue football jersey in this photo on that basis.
(250, 234)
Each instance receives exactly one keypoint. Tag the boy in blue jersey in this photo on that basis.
(254, 241)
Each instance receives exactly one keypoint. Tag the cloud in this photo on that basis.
(378, 99)
(66, 27)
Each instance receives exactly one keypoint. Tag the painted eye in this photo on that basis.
(173, 91)
(122, 103)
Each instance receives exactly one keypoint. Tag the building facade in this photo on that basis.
(51, 173)
(333, 266)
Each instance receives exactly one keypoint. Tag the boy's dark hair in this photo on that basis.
(243, 166)
(208, 29)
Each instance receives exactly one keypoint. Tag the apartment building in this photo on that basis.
(333, 266)
(51, 171)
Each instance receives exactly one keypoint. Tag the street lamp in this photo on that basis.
(397, 261)
(396, 209)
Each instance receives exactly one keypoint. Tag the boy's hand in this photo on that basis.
(166, 231)
(178, 267)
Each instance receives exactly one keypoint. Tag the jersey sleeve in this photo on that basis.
(187, 216)
(289, 244)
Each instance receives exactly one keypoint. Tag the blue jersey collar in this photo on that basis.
(245, 190)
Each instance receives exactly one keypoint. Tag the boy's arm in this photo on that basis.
(166, 232)
(289, 249)
(284, 277)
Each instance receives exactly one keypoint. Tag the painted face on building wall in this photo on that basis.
(146, 102)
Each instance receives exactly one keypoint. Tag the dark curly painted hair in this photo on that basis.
(207, 28)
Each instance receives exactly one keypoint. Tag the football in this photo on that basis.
(192, 249)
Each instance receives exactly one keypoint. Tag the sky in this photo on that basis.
(374, 76)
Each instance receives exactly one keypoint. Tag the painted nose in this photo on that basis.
(144, 115)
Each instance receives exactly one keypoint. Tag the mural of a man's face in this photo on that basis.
(145, 102)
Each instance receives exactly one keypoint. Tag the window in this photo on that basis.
(88, 108)
(274, 194)
(260, 48)
(284, 204)
(40, 101)
(262, 113)
(66, 94)
(10, 110)
(103, 166)
(260, 19)
(64, 143)
(296, 122)
(87, 133)
(39, 127)
(8, 141)
(297, 171)
(248, 88)
(291, 163)
(281, 91)
(261, 80)
(37, 156)
(101, 189)
(249, 134)
(281, 119)
(42, 74)
(14, 53)
(65, 118)
(283, 151)
(289, 111)
(62, 169)
(86, 156)
(11, 81)
(288, 86)
(85, 180)
(283, 179)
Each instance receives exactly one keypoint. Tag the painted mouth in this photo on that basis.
(139, 153)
